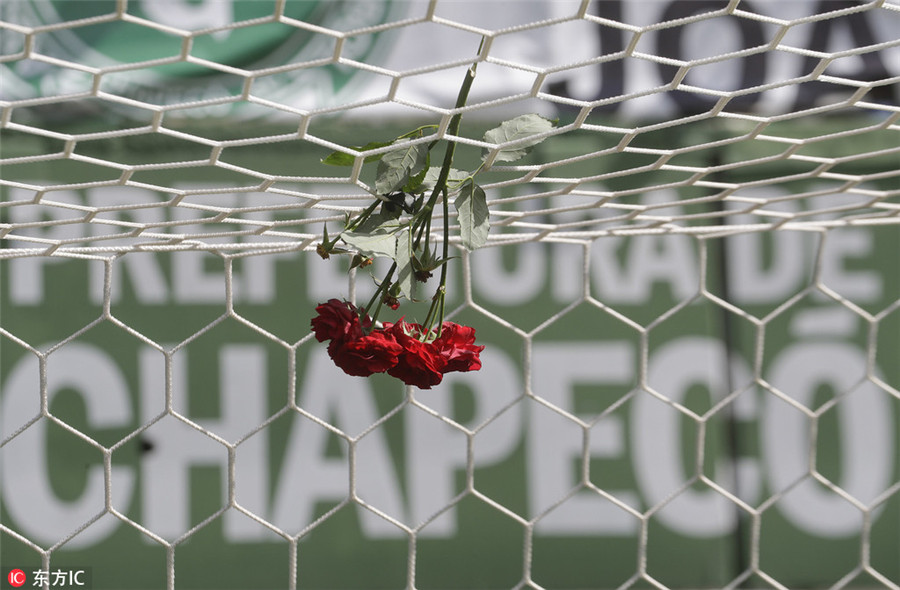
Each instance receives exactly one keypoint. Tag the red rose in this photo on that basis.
(399, 349)
(457, 347)
(421, 363)
(366, 355)
(338, 320)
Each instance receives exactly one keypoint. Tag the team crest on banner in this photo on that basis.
(204, 52)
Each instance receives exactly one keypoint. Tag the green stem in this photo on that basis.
(440, 327)
(417, 131)
(429, 319)
(437, 302)
(440, 188)
(363, 215)
(452, 129)
(445, 255)
(428, 234)
(421, 226)
(379, 293)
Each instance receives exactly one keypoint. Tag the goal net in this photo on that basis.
(689, 295)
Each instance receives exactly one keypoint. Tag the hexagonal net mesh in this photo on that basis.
(716, 208)
(749, 123)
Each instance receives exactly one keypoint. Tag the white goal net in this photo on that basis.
(689, 295)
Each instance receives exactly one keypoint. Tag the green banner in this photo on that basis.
(693, 406)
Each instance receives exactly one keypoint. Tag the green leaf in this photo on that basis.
(396, 167)
(520, 128)
(431, 177)
(345, 159)
(474, 216)
(339, 159)
(380, 242)
(405, 270)
(388, 222)
(414, 184)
